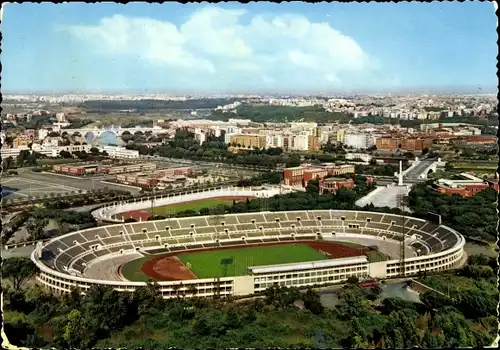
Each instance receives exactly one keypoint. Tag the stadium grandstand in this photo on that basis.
(94, 256)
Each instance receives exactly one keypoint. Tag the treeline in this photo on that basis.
(343, 199)
(284, 317)
(281, 114)
(271, 177)
(36, 221)
(154, 105)
(475, 216)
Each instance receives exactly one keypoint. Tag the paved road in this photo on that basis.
(418, 169)
(83, 183)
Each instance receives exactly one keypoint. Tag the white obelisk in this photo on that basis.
(400, 181)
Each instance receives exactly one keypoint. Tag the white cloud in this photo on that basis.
(216, 40)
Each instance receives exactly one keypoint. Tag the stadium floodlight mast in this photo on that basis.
(402, 201)
(218, 219)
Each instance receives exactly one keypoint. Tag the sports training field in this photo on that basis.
(208, 264)
(172, 209)
(194, 205)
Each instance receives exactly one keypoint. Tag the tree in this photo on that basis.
(312, 302)
(19, 270)
(36, 228)
(76, 334)
(352, 303)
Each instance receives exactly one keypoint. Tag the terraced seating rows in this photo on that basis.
(270, 239)
(269, 225)
(362, 216)
(101, 252)
(231, 220)
(323, 214)
(244, 227)
(265, 228)
(113, 240)
(378, 226)
(64, 259)
(252, 216)
(57, 247)
(280, 216)
(172, 223)
(388, 219)
(198, 222)
(309, 223)
(75, 250)
(139, 237)
(367, 231)
(419, 248)
(78, 267)
(115, 230)
(294, 216)
(181, 232)
(151, 244)
(204, 230)
(185, 240)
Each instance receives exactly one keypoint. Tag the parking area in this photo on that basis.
(21, 188)
(29, 183)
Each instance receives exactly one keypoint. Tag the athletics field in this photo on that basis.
(234, 261)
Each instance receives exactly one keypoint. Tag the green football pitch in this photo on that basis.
(235, 262)
(193, 205)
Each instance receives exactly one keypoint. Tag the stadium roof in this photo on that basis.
(308, 265)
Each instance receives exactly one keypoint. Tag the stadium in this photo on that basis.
(243, 254)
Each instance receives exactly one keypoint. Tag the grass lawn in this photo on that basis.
(194, 205)
(475, 166)
(132, 270)
(208, 264)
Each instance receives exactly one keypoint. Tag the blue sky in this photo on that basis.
(259, 47)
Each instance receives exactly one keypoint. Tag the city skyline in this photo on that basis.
(254, 48)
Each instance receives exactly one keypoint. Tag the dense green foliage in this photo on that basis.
(268, 114)
(105, 318)
(18, 270)
(153, 105)
(281, 114)
(474, 216)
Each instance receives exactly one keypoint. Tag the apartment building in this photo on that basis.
(359, 140)
(248, 140)
(404, 143)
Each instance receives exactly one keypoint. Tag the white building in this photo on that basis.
(359, 140)
(300, 142)
(365, 157)
(119, 152)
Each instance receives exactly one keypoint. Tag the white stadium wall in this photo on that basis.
(64, 259)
